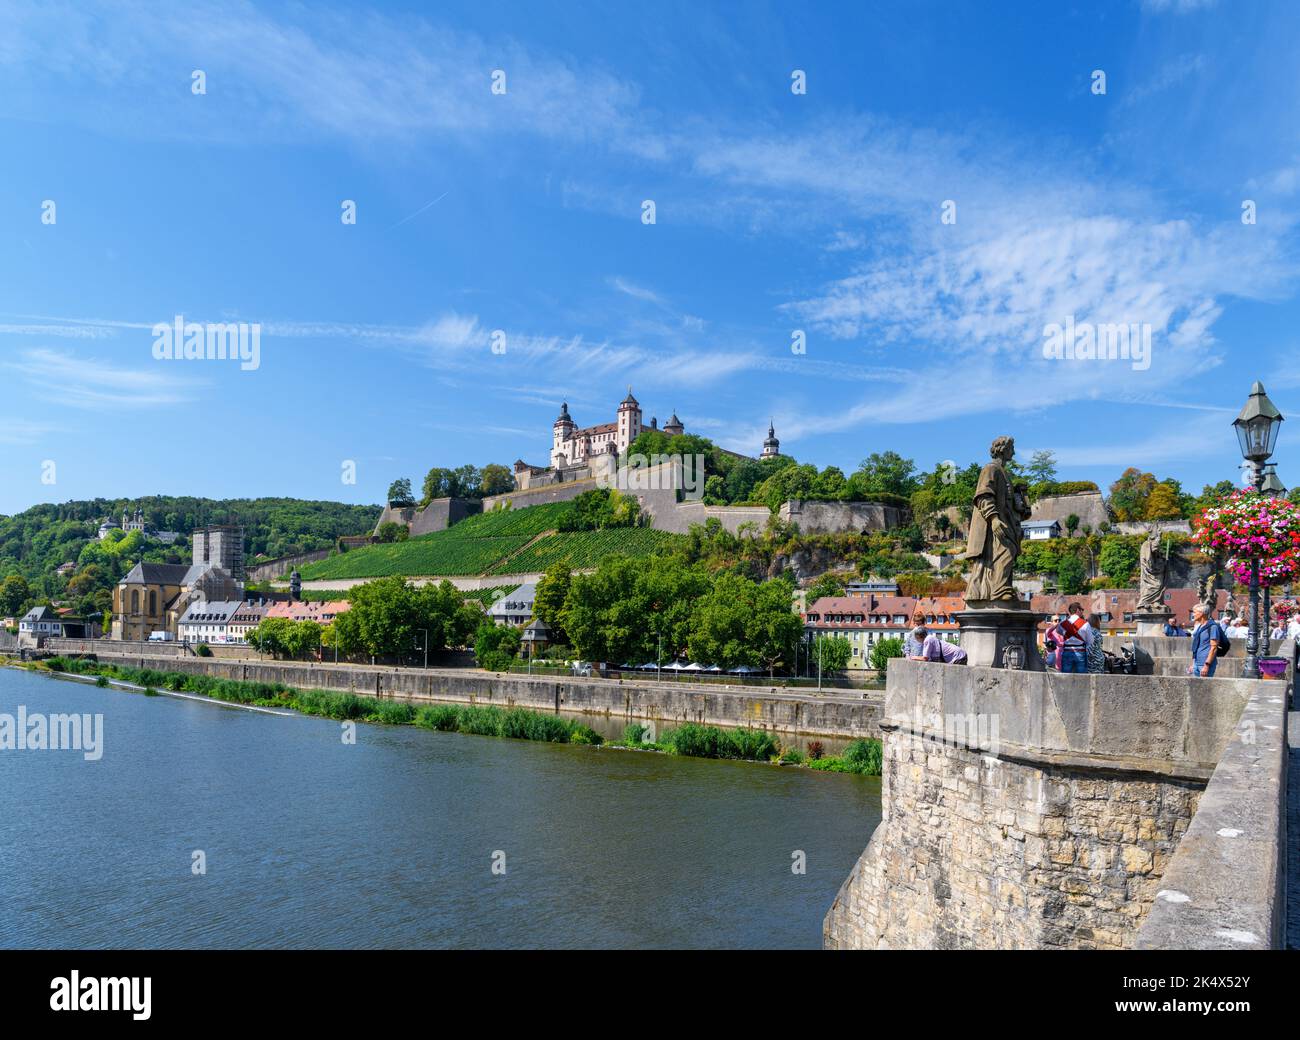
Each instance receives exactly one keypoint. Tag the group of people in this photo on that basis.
(1074, 644)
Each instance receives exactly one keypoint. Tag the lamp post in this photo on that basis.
(1257, 429)
(1273, 487)
(819, 662)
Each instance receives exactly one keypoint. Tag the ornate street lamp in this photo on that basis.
(1257, 428)
(1273, 487)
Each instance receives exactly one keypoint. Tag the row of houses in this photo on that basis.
(865, 618)
(228, 622)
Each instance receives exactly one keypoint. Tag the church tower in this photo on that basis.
(629, 421)
(771, 446)
(562, 434)
(673, 427)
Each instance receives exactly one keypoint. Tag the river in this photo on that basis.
(391, 842)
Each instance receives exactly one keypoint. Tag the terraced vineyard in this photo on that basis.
(441, 554)
(483, 544)
(583, 549)
(532, 520)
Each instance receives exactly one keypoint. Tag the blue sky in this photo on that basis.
(522, 212)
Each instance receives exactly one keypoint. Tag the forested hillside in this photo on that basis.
(34, 544)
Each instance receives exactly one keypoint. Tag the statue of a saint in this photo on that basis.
(1155, 565)
(994, 542)
(1205, 592)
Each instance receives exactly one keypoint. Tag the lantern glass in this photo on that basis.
(1257, 426)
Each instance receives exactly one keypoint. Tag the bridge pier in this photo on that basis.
(1032, 810)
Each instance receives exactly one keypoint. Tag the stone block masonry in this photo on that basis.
(1055, 831)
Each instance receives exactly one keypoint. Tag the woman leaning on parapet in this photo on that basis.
(934, 649)
(912, 645)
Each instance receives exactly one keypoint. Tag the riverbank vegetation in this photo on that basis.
(689, 740)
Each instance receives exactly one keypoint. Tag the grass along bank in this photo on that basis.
(690, 739)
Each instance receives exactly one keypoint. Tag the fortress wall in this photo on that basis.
(832, 517)
(538, 496)
(442, 513)
(272, 570)
(1089, 507)
(1056, 832)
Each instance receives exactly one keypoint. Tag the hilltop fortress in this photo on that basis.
(669, 490)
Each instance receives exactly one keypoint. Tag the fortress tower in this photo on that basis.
(771, 446)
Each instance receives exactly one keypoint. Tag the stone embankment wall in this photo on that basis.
(839, 714)
(1051, 826)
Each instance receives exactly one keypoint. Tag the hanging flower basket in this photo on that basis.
(1253, 526)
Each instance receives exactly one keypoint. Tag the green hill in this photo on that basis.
(35, 543)
(503, 542)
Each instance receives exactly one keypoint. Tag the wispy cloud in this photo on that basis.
(637, 292)
(18, 432)
(69, 379)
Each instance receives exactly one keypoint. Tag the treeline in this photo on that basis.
(461, 482)
(636, 611)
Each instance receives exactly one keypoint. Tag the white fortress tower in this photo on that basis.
(571, 446)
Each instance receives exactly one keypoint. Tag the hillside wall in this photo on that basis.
(834, 517)
(1090, 507)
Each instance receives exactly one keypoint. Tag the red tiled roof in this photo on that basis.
(308, 611)
(588, 431)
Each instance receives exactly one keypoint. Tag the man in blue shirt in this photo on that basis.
(1206, 637)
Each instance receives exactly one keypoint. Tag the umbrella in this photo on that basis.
(649, 667)
(693, 668)
(715, 668)
(744, 669)
(677, 666)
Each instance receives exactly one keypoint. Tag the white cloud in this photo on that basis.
(637, 292)
(68, 379)
(1177, 6)
(301, 73)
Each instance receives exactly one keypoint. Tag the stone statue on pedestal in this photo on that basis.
(1155, 568)
(994, 541)
(998, 628)
(1205, 592)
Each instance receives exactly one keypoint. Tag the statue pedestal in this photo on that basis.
(1001, 634)
(1152, 622)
